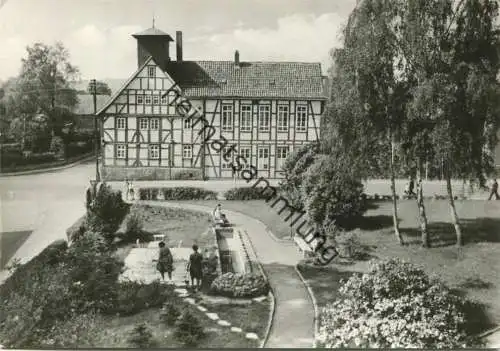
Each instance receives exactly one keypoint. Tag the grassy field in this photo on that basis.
(179, 226)
(114, 332)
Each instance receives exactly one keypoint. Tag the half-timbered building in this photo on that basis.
(266, 109)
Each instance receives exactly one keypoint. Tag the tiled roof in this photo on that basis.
(152, 32)
(250, 79)
(86, 104)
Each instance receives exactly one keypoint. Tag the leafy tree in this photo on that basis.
(43, 87)
(102, 88)
(367, 99)
(452, 51)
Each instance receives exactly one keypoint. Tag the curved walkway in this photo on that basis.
(293, 321)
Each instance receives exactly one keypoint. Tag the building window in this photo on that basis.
(156, 99)
(164, 100)
(139, 99)
(187, 123)
(246, 118)
(151, 71)
(154, 151)
(120, 123)
(301, 119)
(121, 151)
(264, 117)
(227, 117)
(246, 153)
(187, 151)
(143, 123)
(263, 158)
(147, 99)
(283, 116)
(154, 124)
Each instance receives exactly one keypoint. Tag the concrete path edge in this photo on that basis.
(48, 170)
(315, 305)
(270, 294)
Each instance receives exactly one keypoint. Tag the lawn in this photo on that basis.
(9, 243)
(258, 209)
(180, 226)
(114, 331)
(472, 270)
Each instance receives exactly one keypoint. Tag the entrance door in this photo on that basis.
(263, 161)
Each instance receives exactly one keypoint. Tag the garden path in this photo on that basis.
(293, 320)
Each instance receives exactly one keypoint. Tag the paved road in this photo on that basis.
(45, 204)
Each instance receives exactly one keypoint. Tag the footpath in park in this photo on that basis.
(293, 320)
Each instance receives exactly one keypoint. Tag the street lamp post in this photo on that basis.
(93, 89)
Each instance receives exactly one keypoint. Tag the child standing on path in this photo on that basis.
(195, 267)
(494, 190)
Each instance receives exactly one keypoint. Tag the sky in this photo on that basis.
(97, 33)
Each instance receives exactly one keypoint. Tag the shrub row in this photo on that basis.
(240, 285)
(13, 158)
(378, 197)
(251, 193)
(177, 193)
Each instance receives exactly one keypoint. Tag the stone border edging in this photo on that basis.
(315, 305)
(270, 294)
(489, 332)
(48, 170)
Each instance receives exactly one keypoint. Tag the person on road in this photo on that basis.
(494, 190)
(165, 261)
(218, 212)
(195, 267)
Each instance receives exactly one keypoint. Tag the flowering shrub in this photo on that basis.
(189, 330)
(240, 285)
(395, 305)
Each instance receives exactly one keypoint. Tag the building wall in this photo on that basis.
(141, 132)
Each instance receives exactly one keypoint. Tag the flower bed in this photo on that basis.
(176, 193)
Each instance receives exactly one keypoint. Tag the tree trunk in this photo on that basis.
(453, 210)
(394, 199)
(421, 209)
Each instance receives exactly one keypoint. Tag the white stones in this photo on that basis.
(224, 323)
(251, 336)
(190, 300)
(236, 330)
(212, 316)
(201, 308)
(260, 299)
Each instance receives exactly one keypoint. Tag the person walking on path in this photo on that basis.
(494, 190)
(165, 261)
(195, 267)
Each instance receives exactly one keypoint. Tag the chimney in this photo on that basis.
(178, 40)
(237, 58)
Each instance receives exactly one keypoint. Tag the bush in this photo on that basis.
(134, 297)
(106, 212)
(76, 231)
(333, 192)
(57, 147)
(134, 229)
(141, 336)
(294, 169)
(177, 193)
(189, 330)
(169, 314)
(240, 285)
(250, 193)
(349, 246)
(395, 305)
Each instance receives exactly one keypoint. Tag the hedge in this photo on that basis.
(250, 193)
(177, 193)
